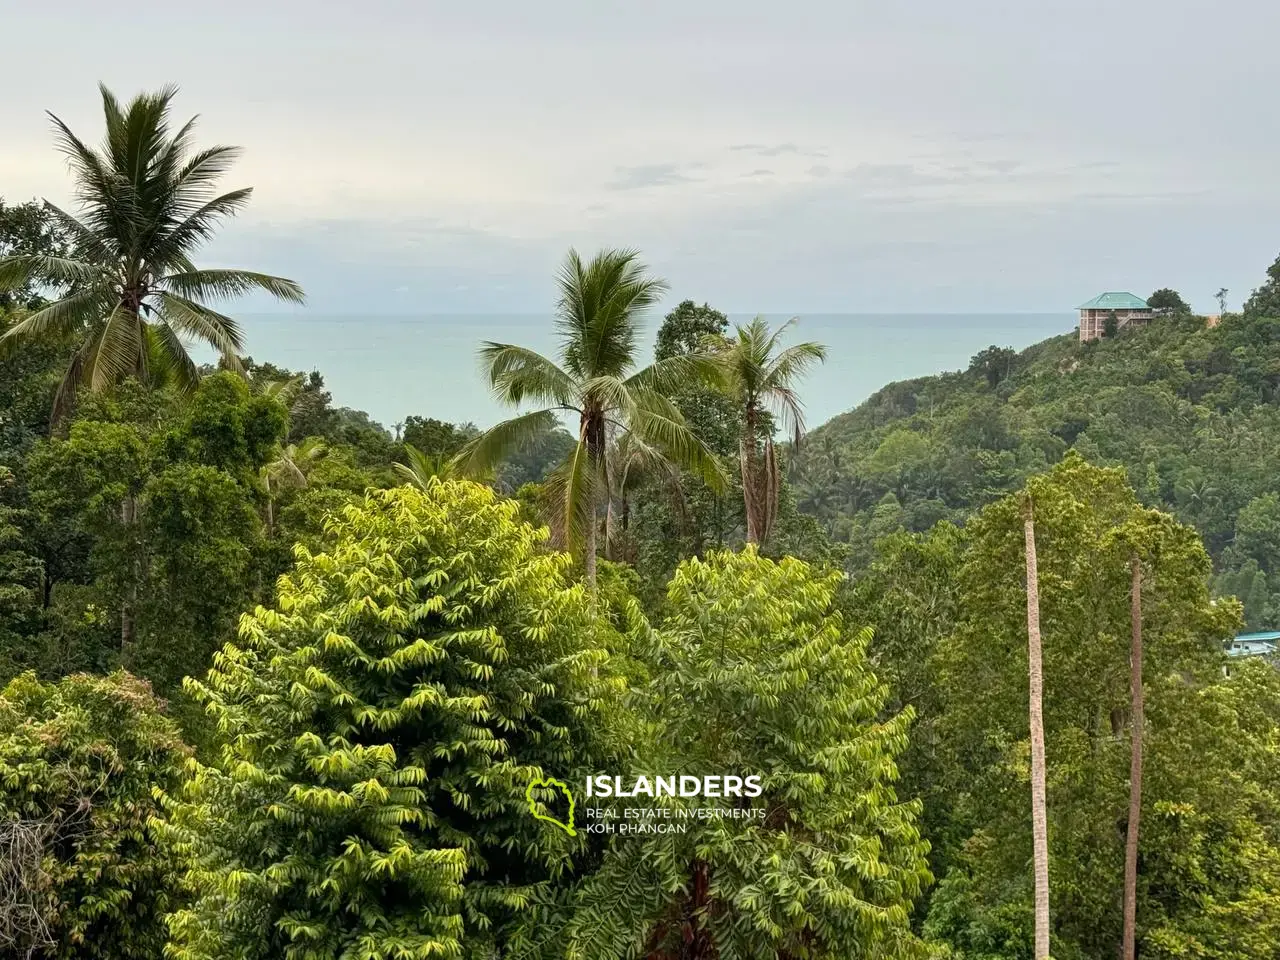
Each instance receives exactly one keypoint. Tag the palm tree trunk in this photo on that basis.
(751, 492)
(1129, 946)
(589, 549)
(610, 530)
(1039, 819)
(747, 460)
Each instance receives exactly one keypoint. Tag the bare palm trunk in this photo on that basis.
(750, 495)
(589, 549)
(1129, 946)
(593, 431)
(1039, 819)
(610, 531)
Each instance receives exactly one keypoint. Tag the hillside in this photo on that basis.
(1192, 413)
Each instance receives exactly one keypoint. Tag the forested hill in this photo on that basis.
(1192, 413)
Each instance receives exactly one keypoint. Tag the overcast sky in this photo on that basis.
(812, 155)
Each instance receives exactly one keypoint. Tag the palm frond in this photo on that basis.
(517, 374)
(69, 315)
(18, 270)
(574, 489)
(679, 444)
(196, 320)
(608, 393)
(680, 372)
(122, 350)
(598, 308)
(198, 226)
(170, 363)
(64, 398)
(421, 468)
(228, 284)
(89, 245)
(485, 452)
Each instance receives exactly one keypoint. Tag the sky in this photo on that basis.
(811, 156)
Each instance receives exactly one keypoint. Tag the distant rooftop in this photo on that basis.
(1272, 635)
(1114, 301)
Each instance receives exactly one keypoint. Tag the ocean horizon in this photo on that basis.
(396, 365)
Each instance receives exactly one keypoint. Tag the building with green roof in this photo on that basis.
(1128, 310)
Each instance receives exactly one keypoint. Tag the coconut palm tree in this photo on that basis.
(288, 470)
(762, 381)
(595, 380)
(134, 297)
(423, 467)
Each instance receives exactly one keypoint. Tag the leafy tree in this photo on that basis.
(169, 513)
(1088, 528)
(675, 520)
(1221, 297)
(147, 202)
(28, 230)
(19, 578)
(598, 320)
(685, 329)
(1258, 531)
(380, 726)
(87, 875)
(1168, 300)
(994, 363)
(435, 437)
(1265, 301)
(761, 380)
(1111, 325)
(754, 670)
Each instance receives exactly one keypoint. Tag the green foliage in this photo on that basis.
(1186, 410)
(686, 327)
(166, 510)
(754, 670)
(29, 229)
(379, 727)
(133, 294)
(950, 611)
(1265, 301)
(994, 363)
(595, 377)
(1167, 300)
(80, 761)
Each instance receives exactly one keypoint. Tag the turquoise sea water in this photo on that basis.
(393, 366)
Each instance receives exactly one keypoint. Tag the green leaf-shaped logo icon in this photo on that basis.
(535, 807)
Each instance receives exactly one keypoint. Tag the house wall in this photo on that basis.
(1093, 322)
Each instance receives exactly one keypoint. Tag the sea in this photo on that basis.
(393, 366)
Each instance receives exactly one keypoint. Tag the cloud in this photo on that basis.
(650, 175)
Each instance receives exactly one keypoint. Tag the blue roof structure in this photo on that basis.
(1263, 644)
(1115, 301)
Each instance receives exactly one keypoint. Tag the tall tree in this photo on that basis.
(596, 380)
(1039, 817)
(762, 381)
(1167, 299)
(1129, 943)
(147, 202)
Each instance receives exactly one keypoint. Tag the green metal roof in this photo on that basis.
(1114, 301)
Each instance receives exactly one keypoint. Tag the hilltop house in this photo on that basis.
(1129, 311)
(1255, 644)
